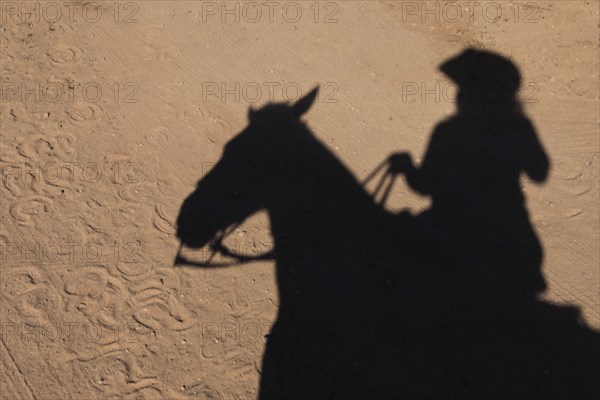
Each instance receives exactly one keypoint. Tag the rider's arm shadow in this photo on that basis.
(426, 178)
(533, 159)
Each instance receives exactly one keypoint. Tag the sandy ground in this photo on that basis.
(111, 112)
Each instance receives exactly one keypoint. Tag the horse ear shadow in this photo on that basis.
(251, 113)
(304, 104)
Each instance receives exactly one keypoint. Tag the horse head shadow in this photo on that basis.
(275, 164)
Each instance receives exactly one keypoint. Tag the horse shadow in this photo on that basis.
(381, 305)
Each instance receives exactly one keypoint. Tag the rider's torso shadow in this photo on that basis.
(478, 220)
(381, 306)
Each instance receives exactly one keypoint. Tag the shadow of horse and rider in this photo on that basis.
(381, 305)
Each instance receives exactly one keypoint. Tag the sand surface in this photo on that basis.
(111, 112)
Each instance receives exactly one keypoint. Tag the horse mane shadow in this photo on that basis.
(377, 305)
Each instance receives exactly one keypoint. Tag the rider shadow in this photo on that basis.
(472, 170)
(375, 305)
(478, 241)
